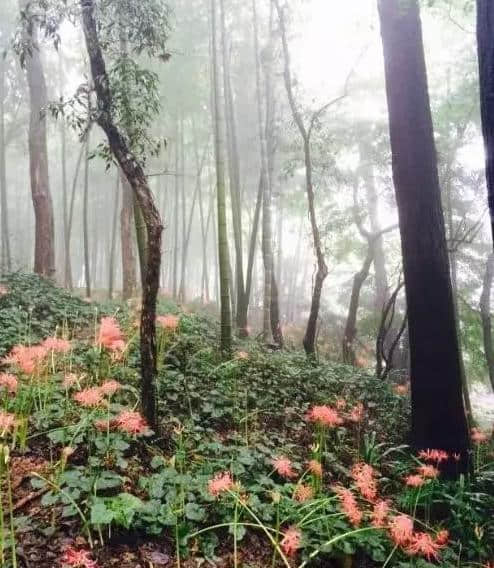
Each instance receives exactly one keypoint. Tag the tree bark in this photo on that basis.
(129, 276)
(485, 45)
(485, 314)
(322, 269)
(137, 179)
(4, 219)
(44, 239)
(223, 254)
(438, 412)
(113, 242)
(85, 221)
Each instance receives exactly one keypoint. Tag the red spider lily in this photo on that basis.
(89, 397)
(70, 380)
(303, 493)
(325, 416)
(56, 345)
(349, 506)
(7, 422)
(401, 529)
(364, 478)
(28, 359)
(380, 514)
(414, 481)
(442, 537)
(110, 335)
(110, 387)
(478, 437)
(357, 413)
(428, 471)
(291, 541)
(78, 558)
(168, 322)
(315, 468)
(220, 483)
(422, 544)
(284, 467)
(8, 382)
(435, 456)
(132, 423)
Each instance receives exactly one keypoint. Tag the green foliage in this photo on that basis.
(32, 308)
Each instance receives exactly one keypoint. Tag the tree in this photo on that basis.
(438, 413)
(44, 245)
(485, 44)
(223, 255)
(485, 315)
(137, 179)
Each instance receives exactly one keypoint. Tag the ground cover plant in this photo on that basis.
(247, 468)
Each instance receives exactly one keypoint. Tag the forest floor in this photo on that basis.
(261, 460)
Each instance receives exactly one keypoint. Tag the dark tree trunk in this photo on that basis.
(44, 239)
(485, 45)
(485, 314)
(438, 413)
(137, 179)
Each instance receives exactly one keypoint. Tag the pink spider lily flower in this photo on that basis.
(478, 437)
(422, 544)
(284, 467)
(291, 541)
(303, 493)
(56, 345)
(380, 514)
(168, 322)
(77, 558)
(315, 468)
(325, 416)
(435, 456)
(349, 506)
(109, 388)
(401, 530)
(8, 382)
(220, 483)
(428, 471)
(132, 423)
(414, 481)
(110, 335)
(364, 477)
(89, 397)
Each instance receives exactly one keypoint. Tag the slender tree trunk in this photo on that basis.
(485, 314)
(234, 177)
(137, 179)
(113, 242)
(4, 219)
(223, 254)
(85, 222)
(485, 44)
(44, 246)
(129, 276)
(176, 215)
(322, 269)
(438, 412)
(350, 332)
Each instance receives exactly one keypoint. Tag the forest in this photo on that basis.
(246, 267)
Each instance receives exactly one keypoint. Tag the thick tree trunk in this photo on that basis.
(44, 238)
(4, 218)
(438, 413)
(485, 44)
(137, 179)
(485, 314)
(223, 254)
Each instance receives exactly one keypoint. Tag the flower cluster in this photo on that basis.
(364, 477)
(110, 335)
(8, 382)
(324, 416)
(168, 322)
(220, 483)
(77, 558)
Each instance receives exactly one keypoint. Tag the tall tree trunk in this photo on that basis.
(137, 179)
(350, 332)
(113, 242)
(485, 44)
(485, 314)
(223, 254)
(4, 218)
(322, 269)
(381, 275)
(65, 192)
(234, 177)
(176, 203)
(129, 276)
(438, 413)
(44, 239)
(85, 222)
